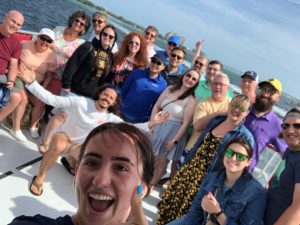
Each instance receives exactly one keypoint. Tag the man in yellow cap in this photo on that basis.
(262, 122)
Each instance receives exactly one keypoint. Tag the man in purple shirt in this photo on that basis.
(262, 122)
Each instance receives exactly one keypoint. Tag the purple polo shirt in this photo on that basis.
(265, 130)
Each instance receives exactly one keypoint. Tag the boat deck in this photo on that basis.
(19, 162)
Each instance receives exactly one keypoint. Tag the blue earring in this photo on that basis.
(139, 189)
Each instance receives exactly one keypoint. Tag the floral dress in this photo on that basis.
(178, 197)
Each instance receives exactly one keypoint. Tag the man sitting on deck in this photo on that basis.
(10, 51)
(85, 115)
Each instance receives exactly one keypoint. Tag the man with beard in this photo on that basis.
(262, 122)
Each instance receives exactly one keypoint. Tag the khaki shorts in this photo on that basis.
(73, 148)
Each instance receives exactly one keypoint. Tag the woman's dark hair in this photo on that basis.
(243, 142)
(141, 143)
(115, 109)
(188, 92)
(84, 16)
(115, 31)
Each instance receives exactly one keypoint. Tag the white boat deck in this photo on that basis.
(19, 162)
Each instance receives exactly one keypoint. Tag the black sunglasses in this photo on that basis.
(285, 126)
(80, 22)
(176, 56)
(229, 153)
(171, 43)
(155, 61)
(98, 21)
(149, 34)
(108, 35)
(44, 39)
(198, 63)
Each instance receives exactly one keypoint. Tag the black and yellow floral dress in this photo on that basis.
(177, 199)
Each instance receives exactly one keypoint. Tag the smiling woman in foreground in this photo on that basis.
(115, 167)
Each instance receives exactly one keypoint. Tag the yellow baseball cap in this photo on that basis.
(274, 82)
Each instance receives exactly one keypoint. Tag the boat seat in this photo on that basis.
(24, 36)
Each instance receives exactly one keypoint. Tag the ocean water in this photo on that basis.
(44, 13)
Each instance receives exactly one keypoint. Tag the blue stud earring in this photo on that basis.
(139, 189)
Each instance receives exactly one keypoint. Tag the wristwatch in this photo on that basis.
(214, 216)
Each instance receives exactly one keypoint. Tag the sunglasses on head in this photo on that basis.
(155, 61)
(108, 35)
(199, 63)
(176, 56)
(236, 105)
(80, 22)
(171, 43)
(285, 126)
(45, 39)
(98, 21)
(229, 153)
(150, 34)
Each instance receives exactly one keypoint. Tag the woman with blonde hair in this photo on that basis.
(131, 55)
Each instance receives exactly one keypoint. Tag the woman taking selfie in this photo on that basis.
(231, 195)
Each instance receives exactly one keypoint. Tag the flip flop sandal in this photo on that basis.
(43, 147)
(39, 186)
(67, 166)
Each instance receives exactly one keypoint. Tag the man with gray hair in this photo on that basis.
(100, 20)
(212, 106)
(150, 35)
(10, 49)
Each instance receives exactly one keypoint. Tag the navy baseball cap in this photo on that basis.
(160, 58)
(251, 74)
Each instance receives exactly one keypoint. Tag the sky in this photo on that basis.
(263, 36)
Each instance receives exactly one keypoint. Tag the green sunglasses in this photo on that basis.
(239, 156)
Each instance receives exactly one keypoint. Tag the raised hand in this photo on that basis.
(137, 216)
(159, 118)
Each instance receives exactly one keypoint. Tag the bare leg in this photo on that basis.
(161, 164)
(55, 122)
(173, 169)
(13, 102)
(37, 112)
(59, 143)
(18, 113)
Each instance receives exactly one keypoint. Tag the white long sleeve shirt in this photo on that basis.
(83, 116)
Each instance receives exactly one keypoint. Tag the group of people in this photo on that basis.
(124, 112)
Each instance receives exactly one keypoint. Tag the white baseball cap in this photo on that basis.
(47, 32)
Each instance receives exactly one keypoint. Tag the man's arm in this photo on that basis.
(291, 215)
(12, 72)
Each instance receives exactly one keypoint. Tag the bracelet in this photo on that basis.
(175, 142)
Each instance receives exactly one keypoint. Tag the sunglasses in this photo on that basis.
(188, 75)
(171, 43)
(150, 34)
(98, 21)
(44, 39)
(176, 56)
(236, 105)
(134, 43)
(155, 61)
(108, 35)
(80, 22)
(269, 91)
(229, 153)
(198, 63)
(285, 126)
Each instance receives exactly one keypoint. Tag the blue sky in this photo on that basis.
(251, 34)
